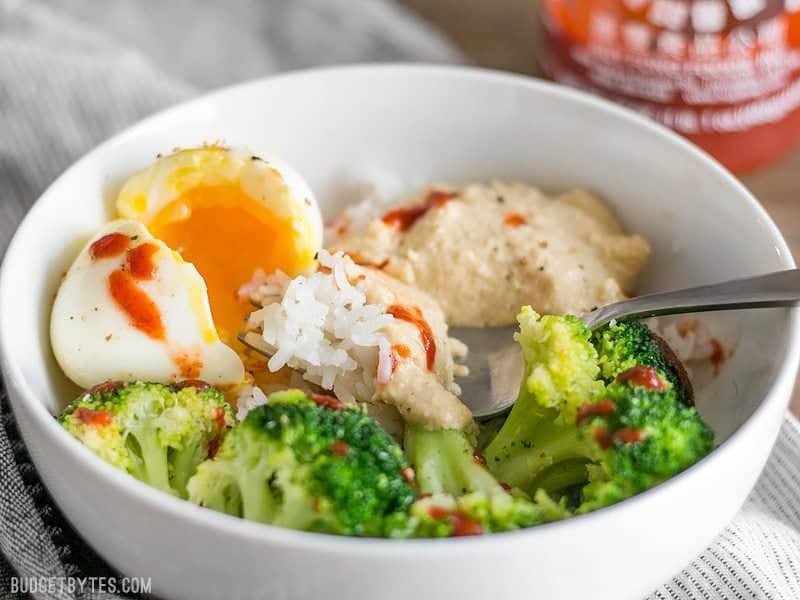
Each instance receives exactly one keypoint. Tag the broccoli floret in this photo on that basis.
(539, 441)
(602, 444)
(622, 345)
(157, 433)
(314, 465)
(644, 437)
(459, 496)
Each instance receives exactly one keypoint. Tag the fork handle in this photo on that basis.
(781, 288)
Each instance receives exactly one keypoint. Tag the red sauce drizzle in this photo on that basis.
(329, 402)
(197, 384)
(140, 261)
(213, 446)
(399, 352)
(106, 386)
(414, 315)
(627, 435)
(142, 312)
(462, 523)
(219, 417)
(404, 218)
(190, 366)
(602, 437)
(514, 220)
(109, 246)
(410, 477)
(643, 377)
(478, 458)
(89, 416)
(624, 435)
(604, 407)
(717, 355)
(339, 448)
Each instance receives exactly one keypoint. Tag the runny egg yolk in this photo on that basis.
(228, 235)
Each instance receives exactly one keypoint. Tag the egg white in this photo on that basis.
(94, 340)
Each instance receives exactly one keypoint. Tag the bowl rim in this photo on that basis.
(152, 499)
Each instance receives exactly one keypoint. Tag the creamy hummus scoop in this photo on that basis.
(482, 251)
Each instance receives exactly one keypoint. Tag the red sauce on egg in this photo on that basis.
(414, 316)
(109, 246)
(404, 218)
(140, 261)
(190, 366)
(142, 312)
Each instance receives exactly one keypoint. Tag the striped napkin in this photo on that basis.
(74, 72)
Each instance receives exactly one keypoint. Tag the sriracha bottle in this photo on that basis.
(724, 73)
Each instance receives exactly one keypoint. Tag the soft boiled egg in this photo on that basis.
(230, 214)
(130, 308)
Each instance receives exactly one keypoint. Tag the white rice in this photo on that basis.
(249, 397)
(322, 325)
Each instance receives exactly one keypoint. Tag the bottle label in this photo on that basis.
(697, 66)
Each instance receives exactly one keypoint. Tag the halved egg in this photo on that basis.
(229, 213)
(130, 308)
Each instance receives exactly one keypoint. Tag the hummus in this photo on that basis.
(482, 251)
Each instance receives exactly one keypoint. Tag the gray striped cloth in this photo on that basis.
(74, 72)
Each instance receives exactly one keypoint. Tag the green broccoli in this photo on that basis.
(309, 464)
(539, 440)
(644, 437)
(598, 444)
(622, 345)
(459, 496)
(157, 433)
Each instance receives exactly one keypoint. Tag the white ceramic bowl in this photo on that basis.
(421, 124)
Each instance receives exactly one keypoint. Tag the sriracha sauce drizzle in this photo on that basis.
(404, 218)
(140, 261)
(414, 316)
(109, 246)
(142, 312)
(645, 377)
(89, 416)
(462, 523)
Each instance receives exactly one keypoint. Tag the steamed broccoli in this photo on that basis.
(459, 496)
(592, 444)
(157, 433)
(644, 437)
(314, 465)
(622, 345)
(539, 439)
